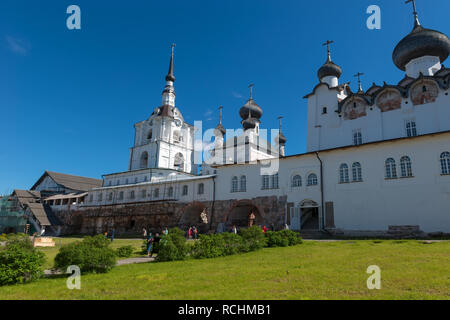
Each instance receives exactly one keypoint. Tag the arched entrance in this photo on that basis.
(239, 215)
(309, 215)
(191, 217)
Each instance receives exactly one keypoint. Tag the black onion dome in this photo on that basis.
(281, 139)
(421, 42)
(251, 109)
(329, 69)
(249, 123)
(220, 129)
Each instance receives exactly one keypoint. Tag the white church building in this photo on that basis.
(377, 160)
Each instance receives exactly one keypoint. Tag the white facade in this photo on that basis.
(374, 159)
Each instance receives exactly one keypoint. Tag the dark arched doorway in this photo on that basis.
(239, 215)
(191, 217)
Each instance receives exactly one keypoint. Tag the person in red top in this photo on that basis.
(190, 233)
(264, 229)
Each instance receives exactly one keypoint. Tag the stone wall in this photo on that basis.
(131, 219)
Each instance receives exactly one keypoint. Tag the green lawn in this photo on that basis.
(50, 253)
(313, 270)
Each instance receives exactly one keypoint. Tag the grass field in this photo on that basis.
(50, 253)
(314, 270)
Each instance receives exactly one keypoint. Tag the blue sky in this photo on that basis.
(69, 99)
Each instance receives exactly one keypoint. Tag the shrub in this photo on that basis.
(254, 238)
(125, 252)
(173, 246)
(275, 239)
(20, 262)
(209, 246)
(292, 236)
(3, 237)
(282, 238)
(233, 244)
(90, 255)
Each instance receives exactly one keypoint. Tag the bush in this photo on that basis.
(253, 238)
(173, 246)
(125, 252)
(209, 246)
(282, 238)
(234, 244)
(20, 262)
(90, 255)
(293, 237)
(275, 239)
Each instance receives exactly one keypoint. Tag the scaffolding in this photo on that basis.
(12, 217)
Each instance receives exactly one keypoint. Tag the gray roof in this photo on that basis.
(421, 42)
(71, 182)
(43, 214)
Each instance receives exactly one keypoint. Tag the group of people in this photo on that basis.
(152, 242)
(110, 235)
(192, 233)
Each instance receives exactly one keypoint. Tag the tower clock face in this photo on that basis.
(178, 122)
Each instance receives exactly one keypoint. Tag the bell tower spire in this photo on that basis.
(168, 95)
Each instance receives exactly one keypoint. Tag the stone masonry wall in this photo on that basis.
(131, 219)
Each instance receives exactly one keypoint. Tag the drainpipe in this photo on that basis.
(321, 227)
(213, 202)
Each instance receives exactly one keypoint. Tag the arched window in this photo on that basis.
(150, 135)
(179, 162)
(234, 184)
(156, 193)
(357, 172)
(312, 179)
(296, 181)
(411, 130)
(405, 165)
(201, 188)
(185, 190)
(343, 173)
(170, 192)
(243, 184)
(445, 163)
(391, 169)
(144, 160)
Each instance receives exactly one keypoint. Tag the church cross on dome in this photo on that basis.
(251, 85)
(359, 74)
(416, 18)
(327, 43)
(220, 114)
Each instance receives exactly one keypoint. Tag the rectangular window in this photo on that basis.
(411, 129)
(265, 182)
(357, 137)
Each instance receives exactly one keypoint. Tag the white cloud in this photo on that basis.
(237, 95)
(18, 46)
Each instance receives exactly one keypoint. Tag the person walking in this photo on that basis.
(113, 234)
(195, 233)
(272, 227)
(234, 229)
(264, 229)
(190, 233)
(149, 243)
(155, 248)
(166, 231)
(144, 233)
